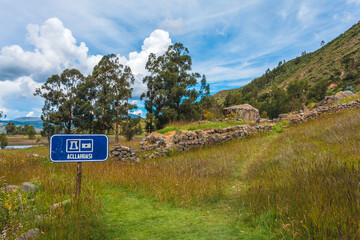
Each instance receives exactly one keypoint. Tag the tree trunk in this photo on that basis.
(127, 118)
(117, 123)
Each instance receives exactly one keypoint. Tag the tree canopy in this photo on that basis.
(171, 93)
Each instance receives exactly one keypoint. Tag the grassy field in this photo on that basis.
(300, 183)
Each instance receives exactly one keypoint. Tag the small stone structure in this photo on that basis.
(245, 112)
(328, 100)
(123, 153)
(186, 140)
(299, 117)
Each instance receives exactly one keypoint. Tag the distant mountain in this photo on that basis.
(21, 121)
(333, 67)
(26, 119)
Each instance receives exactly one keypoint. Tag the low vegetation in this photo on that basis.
(198, 126)
(299, 182)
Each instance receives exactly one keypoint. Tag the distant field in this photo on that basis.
(301, 183)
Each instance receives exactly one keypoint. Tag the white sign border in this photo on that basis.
(75, 161)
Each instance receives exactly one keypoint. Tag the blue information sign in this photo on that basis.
(79, 148)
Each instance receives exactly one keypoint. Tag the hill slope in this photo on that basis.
(327, 70)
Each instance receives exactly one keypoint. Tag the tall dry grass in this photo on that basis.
(310, 178)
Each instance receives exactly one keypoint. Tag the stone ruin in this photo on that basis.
(125, 154)
(156, 145)
(329, 100)
(303, 116)
(161, 144)
(245, 112)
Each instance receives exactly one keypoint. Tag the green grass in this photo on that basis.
(199, 126)
(132, 216)
(297, 182)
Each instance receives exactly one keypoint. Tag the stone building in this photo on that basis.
(244, 111)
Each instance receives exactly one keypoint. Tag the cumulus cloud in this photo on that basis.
(157, 43)
(55, 49)
(30, 114)
(21, 88)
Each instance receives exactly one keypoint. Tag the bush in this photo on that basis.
(349, 88)
(3, 140)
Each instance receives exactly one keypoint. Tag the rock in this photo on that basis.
(30, 234)
(11, 188)
(283, 116)
(29, 187)
(245, 112)
(123, 153)
(328, 100)
(60, 204)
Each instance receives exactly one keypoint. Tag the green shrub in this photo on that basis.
(3, 140)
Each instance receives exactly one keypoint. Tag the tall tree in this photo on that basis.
(171, 94)
(112, 85)
(10, 128)
(60, 93)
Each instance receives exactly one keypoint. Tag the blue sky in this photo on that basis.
(231, 42)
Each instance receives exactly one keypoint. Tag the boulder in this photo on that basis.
(244, 111)
(11, 188)
(29, 187)
(328, 100)
(30, 234)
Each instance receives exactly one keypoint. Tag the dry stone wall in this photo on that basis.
(186, 140)
(300, 117)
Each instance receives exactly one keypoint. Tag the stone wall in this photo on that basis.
(124, 153)
(299, 117)
(186, 140)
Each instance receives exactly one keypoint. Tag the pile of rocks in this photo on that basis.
(316, 112)
(186, 140)
(123, 153)
(329, 100)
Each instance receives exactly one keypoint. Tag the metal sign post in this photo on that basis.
(79, 148)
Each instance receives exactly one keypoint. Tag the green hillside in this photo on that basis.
(329, 69)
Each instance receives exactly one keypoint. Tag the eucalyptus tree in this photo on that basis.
(61, 99)
(112, 86)
(171, 93)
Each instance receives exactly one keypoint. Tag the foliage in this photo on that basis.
(31, 132)
(62, 102)
(112, 90)
(171, 93)
(12, 129)
(132, 128)
(349, 88)
(3, 140)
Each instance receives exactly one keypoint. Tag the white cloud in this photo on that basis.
(55, 50)
(22, 88)
(30, 114)
(157, 43)
(137, 112)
